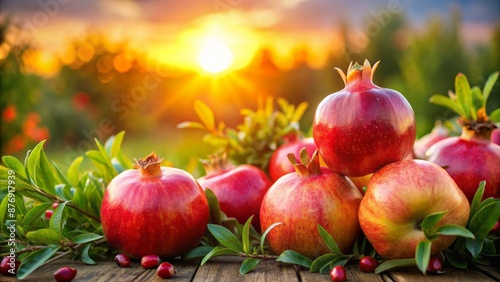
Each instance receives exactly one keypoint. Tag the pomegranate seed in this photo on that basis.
(435, 264)
(122, 260)
(165, 270)
(338, 273)
(150, 261)
(9, 266)
(48, 214)
(65, 274)
(368, 264)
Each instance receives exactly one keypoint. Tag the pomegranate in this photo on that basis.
(154, 210)
(363, 127)
(361, 182)
(438, 133)
(302, 200)
(279, 164)
(470, 157)
(239, 189)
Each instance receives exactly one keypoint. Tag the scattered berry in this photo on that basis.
(9, 266)
(338, 273)
(65, 274)
(150, 261)
(368, 264)
(435, 264)
(122, 260)
(55, 205)
(48, 214)
(165, 270)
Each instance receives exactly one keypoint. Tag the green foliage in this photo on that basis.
(74, 227)
(261, 132)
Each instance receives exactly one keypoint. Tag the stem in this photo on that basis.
(84, 212)
(262, 257)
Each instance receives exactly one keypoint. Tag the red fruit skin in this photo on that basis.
(438, 133)
(240, 191)
(150, 261)
(279, 164)
(368, 264)
(6, 266)
(435, 264)
(48, 214)
(165, 215)
(469, 162)
(338, 273)
(363, 127)
(65, 274)
(303, 202)
(122, 260)
(495, 136)
(165, 270)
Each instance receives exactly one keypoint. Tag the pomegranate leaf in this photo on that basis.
(423, 255)
(442, 100)
(114, 143)
(34, 260)
(456, 259)
(214, 207)
(474, 246)
(454, 230)
(73, 171)
(495, 115)
(56, 221)
(430, 221)
(476, 201)
(85, 257)
(245, 236)
(264, 235)
(321, 261)
(14, 164)
(43, 236)
(484, 219)
(197, 253)
(464, 97)
(225, 237)
(292, 257)
(248, 264)
(86, 238)
(488, 86)
(35, 213)
(395, 263)
(205, 114)
(218, 251)
(329, 241)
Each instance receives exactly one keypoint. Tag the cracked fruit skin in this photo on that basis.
(398, 198)
(301, 201)
(363, 127)
(154, 210)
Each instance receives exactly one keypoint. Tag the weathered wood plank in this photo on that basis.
(451, 274)
(227, 269)
(491, 271)
(353, 274)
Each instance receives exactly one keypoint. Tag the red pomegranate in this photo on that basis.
(279, 164)
(438, 133)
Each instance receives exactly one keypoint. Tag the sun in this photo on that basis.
(214, 55)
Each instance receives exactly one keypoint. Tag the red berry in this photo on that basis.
(165, 270)
(150, 261)
(65, 274)
(55, 205)
(368, 264)
(9, 266)
(122, 260)
(338, 273)
(435, 264)
(48, 214)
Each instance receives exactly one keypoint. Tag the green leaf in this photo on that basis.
(205, 114)
(488, 86)
(16, 165)
(264, 235)
(462, 89)
(455, 259)
(225, 237)
(321, 261)
(73, 171)
(87, 237)
(292, 257)
(4, 215)
(85, 255)
(299, 111)
(61, 175)
(34, 260)
(484, 219)
(329, 241)
(476, 201)
(431, 220)
(56, 221)
(43, 236)
(214, 206)
(114, 143)
(217, 251)
(395, 263)
(245, 236)
(423, 255)
(454, 230)
(442, 100)
(248, 264)
(474, 246)
(35, 213)
(197, 253)
(495, 116)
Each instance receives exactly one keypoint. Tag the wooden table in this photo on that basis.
(226, 269)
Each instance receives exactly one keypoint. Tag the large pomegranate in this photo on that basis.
(302, 200)
(239, 189)
(471, 157)
(438, 133)
(154, 210)
(279, 164)
(363, 127)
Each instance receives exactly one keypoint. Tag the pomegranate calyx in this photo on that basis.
(150, 165)
(476, 130)
(216, 164)
(306, 166)
(356, 72)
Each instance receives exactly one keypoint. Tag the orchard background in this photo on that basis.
(72, 71)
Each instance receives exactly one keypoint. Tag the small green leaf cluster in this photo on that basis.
(469, 102)
(74, 227)
(255, 139)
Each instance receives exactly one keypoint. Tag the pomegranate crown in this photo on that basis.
(306, 166)
(356, 71)
(216, 163)
(149, 165)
